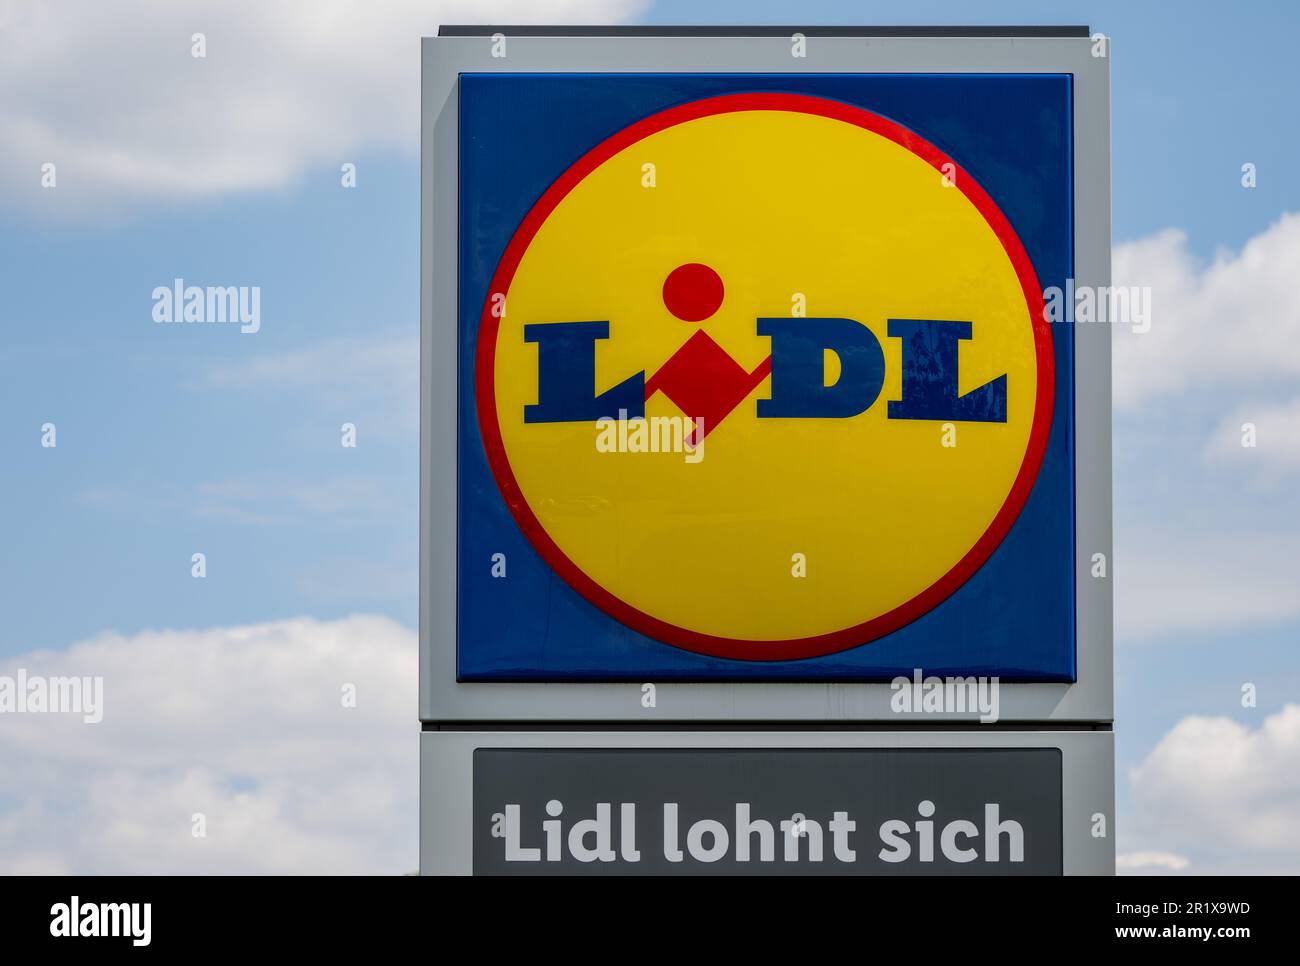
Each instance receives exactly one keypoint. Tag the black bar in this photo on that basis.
(374, 918)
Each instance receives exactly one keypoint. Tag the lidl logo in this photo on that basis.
(851, 326)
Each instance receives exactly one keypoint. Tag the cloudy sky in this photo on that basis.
(224, 693)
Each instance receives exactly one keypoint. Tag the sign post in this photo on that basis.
(765, 506)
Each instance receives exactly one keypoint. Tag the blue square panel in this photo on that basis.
(755, 381)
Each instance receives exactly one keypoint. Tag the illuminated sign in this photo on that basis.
(755, 378)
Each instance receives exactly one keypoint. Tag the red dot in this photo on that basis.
(692, 292)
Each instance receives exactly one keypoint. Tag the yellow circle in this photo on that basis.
(795, 212)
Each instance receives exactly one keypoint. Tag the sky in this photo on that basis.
(175, 440)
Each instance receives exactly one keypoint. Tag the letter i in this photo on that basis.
(552, 830)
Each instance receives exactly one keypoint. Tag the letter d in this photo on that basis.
(799, 370)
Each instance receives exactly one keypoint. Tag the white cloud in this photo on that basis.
(1151, 861)
(1276, 438)
(378, 375)
(264, 498)
(111, 94)
(1207, 528)
(1175, 579)
(1235, 320)
(243, 724)
(1224, 793)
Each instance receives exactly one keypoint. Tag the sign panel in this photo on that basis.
(755, 377)
(894, 811)
(739, 403)
(737, 381)
(764, 802)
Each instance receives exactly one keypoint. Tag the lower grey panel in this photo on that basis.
(1057, 787)
(767, 812)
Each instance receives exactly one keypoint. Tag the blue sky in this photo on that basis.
(112, 515)
(176, 440)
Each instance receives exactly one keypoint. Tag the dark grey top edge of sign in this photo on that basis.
(769, 724)
(596, 30)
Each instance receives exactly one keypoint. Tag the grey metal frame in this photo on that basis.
(446, 773)
(442, 698)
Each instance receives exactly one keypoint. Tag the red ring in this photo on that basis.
(737, 648)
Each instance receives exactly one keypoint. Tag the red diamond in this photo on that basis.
(704, 382)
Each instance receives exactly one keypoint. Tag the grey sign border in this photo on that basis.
(447, 787)
(444, 58)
